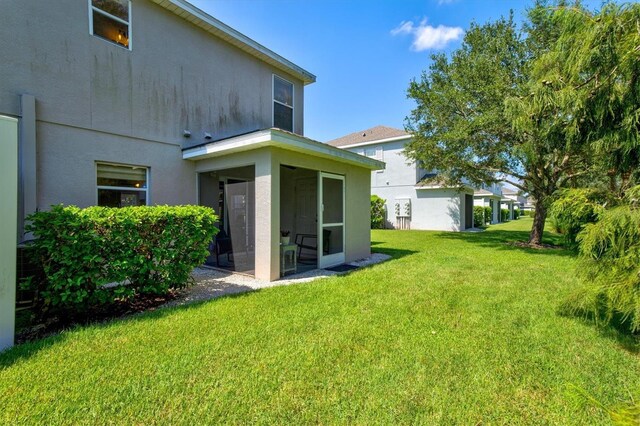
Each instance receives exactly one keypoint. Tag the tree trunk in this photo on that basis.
(539, 217)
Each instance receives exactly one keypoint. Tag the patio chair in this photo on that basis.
(310, 242)
(222, 245)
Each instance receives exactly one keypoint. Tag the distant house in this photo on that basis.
(489, 196)
(513, 200)
(126, 103)
(415, 199)
(529, 204)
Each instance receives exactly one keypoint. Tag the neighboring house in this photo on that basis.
(155, 102)
(529, 204)
(414, 198)
(489, 196)
(513, 200)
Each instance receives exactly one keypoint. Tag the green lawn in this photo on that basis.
(457, 328)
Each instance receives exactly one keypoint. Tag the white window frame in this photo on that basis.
(92, 8)
(273, 98)
(379, 154)
(122, 188)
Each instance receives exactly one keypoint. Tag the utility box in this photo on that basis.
(8, 227)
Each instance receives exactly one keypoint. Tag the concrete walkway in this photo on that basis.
(212, 283)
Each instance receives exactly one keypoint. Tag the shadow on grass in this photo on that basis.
(503, 239)
(616, 329)
(393, 252)
(24, 351)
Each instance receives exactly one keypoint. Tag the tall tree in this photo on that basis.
(498, 109)
(586, 87)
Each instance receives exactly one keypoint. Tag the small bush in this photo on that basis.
(516, 214)
(504, 215)
(146, 249)
(478, 216)
(488, 214)
(573, 209)
(377, 212)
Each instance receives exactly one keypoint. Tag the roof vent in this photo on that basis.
(364, 134)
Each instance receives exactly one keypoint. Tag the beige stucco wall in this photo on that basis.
(8, 227)
(67, 170)
(95, 101)
(176, 77)
(267, 163)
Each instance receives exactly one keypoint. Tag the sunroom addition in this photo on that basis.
(318, 193)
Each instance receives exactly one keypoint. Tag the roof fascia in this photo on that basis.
(393, 139)
(279, 139)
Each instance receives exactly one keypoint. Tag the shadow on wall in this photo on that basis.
(443, 208)
(454, 214)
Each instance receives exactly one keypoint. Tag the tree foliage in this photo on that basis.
(574, 208)
(541, 106)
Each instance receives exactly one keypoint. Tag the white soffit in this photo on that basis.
(396, 138)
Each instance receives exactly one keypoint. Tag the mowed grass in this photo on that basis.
(457, 328)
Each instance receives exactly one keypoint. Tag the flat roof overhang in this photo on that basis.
(278, 139)
(482, 195)
(463, 188)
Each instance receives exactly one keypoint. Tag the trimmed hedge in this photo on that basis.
(378, 218)
(488, 214)
(147, 250)
(516, 213)
(478, 216)
(504, 215)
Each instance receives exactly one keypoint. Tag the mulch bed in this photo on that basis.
(522, 244)
(43, 326)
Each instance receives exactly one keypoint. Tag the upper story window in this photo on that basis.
(282, 104)
(122, 186)
(371, 152)
(110, 20)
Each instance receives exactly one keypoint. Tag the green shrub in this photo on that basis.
(378, 218)
(573, 209)
(611, 252)
(516, 214)
(146, 249)
(478, 216)
(555, 225)
(488, 214)
(504, 215)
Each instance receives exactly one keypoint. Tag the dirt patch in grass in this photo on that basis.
(36, 326)
(542, 246)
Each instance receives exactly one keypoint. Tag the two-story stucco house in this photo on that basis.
(489, 196)
(513, 200)
(414, 198)
(147, 102)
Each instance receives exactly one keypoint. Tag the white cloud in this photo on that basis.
(427, 37)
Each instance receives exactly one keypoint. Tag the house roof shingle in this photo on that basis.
(369, 135)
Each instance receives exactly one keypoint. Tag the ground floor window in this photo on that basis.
(121, 185)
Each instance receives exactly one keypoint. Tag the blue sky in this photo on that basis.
(364, 53)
